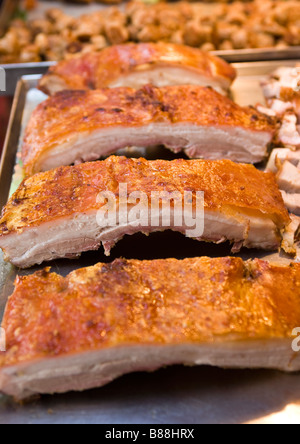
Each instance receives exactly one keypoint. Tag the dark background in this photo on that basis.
(5, 106)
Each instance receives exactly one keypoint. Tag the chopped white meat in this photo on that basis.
(292, 202)
(288, 133)
(279, 155)
(288, 177)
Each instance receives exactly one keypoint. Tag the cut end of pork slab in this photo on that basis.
(76, 126)
(101, 322)
(55, 214)
(134, 65)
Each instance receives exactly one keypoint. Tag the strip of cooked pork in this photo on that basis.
(74, 126)
(99, 323)
(135, 65)
(57, 213)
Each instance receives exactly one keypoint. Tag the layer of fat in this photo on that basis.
(162, 76)
(159, 76)
(81, 232)
(207, 142)
(85, 370)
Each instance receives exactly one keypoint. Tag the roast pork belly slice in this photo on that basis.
(135, 65)
(101, 322)
(76, 126)
(55, 214)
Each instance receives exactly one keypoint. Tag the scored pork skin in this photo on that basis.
(54, 214)
(98, 323)
(76, 126)
(135, 65)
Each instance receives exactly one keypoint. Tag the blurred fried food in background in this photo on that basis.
(238, 25)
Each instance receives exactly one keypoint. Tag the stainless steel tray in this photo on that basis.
(14, 72)
(175, 395)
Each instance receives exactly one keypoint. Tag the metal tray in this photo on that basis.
(14, 72)
(177, 394)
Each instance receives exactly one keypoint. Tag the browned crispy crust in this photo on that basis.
(57, 119)
(101, 69)
(150, 303)
(69, 190)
